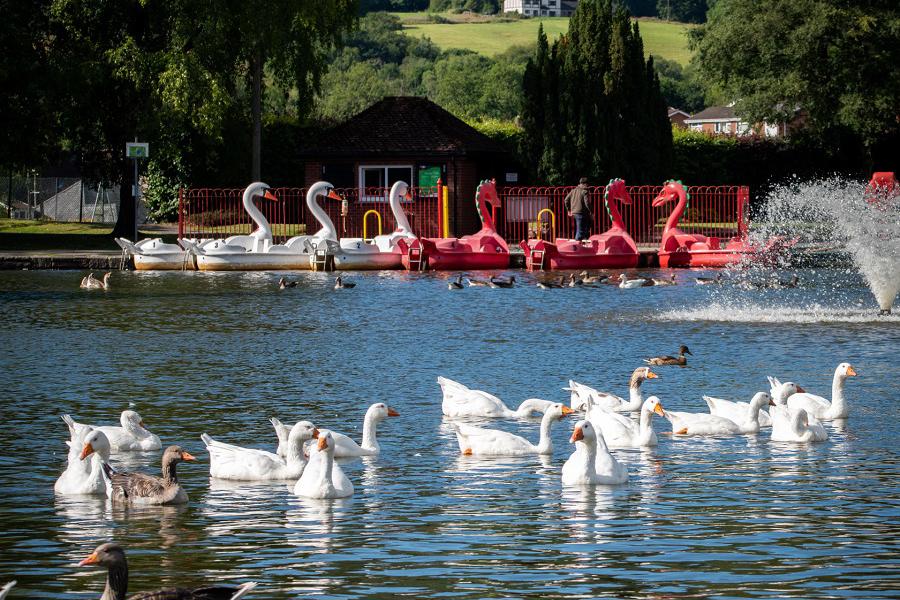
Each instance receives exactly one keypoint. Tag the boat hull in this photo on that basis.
(703, 258)
(585, 257)
(253, 261)
(169, 261)
(369, 261)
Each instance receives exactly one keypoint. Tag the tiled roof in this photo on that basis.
(401, 125)
(723, 113)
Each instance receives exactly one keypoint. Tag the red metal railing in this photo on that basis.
(719, 211)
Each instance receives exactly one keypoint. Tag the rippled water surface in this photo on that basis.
(220, 353)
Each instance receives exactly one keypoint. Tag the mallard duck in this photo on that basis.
(112, 556)
(680, 360)
(340, 284)
(456, 284)
(284, 283)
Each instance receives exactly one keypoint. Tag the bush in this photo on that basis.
(159, 190)
(506, 133)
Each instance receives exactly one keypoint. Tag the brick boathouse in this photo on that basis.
(414, 140)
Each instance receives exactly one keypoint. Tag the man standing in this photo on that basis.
(578, 205)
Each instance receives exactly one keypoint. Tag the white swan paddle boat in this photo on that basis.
(256, 252)
(153, 254)
(382, 251)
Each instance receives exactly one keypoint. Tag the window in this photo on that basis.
(375, 181)
(340, 175)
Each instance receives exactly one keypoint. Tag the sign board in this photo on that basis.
(137, 150)
(428, 176)
(512, 178)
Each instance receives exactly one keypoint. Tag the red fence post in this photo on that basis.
(180, 212)
(743, 201)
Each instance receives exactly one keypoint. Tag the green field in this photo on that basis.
(661, 38)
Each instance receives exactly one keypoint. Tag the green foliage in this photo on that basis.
(679, 86)
(367, 6)
(507, 133)
(641, 8)
(834, 61)
(685, 11)
(160, 192)
(485, 7)
(592, 105)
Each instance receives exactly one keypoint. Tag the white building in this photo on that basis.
(541, 8)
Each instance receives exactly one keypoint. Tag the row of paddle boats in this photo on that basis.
(402, 249)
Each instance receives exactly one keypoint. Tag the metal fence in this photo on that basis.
(526, 212)
(66, 199)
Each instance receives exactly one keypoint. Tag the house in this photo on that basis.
(722, 120)
(677, 117)
(541, 8)
(414, 140)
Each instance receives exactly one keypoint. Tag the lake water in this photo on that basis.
(736, 517)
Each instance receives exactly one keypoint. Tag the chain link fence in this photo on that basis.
(64, 199)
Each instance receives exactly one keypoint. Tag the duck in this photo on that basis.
(575, 281)
(793, 282)
(131, 436)
(739, 412)
(90, 283)
(749, 420)
(340, 284)
(477, 282)
(795, 425)
(628, 284)
(549, 284)
(111, 556)
(819, 407)
(284, 284)
(670, 281)
(323, 478)
(85, 477)
(687, 423)
(479, 441)
(345, 447)
(680, 360)
(709, 280)
(620, 431)
(581, 393)
(460, 401)
(589, 279)
(227, 461)
(143, 489)
(503, 282)
(4, 591)
(591, 463)
(455, 284)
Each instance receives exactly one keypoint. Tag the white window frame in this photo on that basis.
(362, 181)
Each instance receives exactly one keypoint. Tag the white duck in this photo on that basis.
(591, 463)
(686, 423)
(344, 447)
(327, 481)
(628, 284)
(227, 461)
(819, 407)
(131, 436)
(747, 415)
(581, 392)
(793, 425)
(479, 441)
(460, 401)
(84, 476)
(619, 431)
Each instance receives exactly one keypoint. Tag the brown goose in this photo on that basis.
(112, 556)
(140, 488)
(588, 279)
(680, 360)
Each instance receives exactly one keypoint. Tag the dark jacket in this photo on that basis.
(578, 201)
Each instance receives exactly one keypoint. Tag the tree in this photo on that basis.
(834, 61)
(686, 11)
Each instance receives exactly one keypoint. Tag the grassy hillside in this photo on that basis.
(490, 36)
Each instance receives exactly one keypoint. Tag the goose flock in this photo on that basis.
(305, 454)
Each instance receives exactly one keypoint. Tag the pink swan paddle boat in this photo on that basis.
(483, 250)
(612, 249)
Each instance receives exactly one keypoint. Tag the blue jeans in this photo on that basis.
(582, 227)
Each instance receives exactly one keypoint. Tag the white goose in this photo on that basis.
(747, 415)
(581, 392)
(628, 284)
(819, 407)
(131, 436)
(479, 441)
(793, 425)
(686, 423)
(460, 401)
(591, 463)
(84, 476)
(327, 480)
(227, 461)
(619, 431)
(345, 447)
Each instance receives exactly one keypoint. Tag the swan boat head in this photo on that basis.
(672, 190)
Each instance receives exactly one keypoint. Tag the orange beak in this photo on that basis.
(270, 196)
(851, 371)
(92, 559)
(187, 456)
(408, 194)
(315, 432)
(772, 402)
(567, 411)
(86, 451)
(334, 195)
(658, 409)
(392, 412)
(323, 443)
(652, 375)
(577, 435)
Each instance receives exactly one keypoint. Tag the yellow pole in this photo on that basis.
(552, 222)
(366, 219)
(445, 206)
